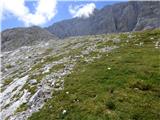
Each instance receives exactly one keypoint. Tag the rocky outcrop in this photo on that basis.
(121, 17)
(18, 37)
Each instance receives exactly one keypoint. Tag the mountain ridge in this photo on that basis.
(18, 37)
(120, 17)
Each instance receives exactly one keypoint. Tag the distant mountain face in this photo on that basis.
(121, 17)
(17, 37)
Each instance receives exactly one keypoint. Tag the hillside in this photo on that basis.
(18, 37)
(98, 77)
(121, 17)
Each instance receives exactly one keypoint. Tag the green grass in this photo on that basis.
(7, 81)
(8, 66)
(22, 107)
(32, 89)
(130, 90)
(57, 68)
(46, 60)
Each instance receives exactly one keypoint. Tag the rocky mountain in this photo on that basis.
(17, 37)
(92, 77)
(121, 17)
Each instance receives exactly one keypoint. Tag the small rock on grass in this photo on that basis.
(33, 81)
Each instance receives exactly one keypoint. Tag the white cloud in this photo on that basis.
(45, 10)
(82, 10)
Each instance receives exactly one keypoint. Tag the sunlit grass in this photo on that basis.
(123, 85)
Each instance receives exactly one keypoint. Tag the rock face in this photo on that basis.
(121, 17)
(17, 37)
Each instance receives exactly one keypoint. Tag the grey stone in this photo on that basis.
(33, 81)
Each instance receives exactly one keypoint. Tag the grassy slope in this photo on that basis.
(129, 90)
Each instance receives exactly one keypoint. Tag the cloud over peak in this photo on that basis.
(83, 11)
(45, 10)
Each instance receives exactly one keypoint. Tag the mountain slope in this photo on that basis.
(18, 37)
(114, 76)
(122, 84)
(122, 17)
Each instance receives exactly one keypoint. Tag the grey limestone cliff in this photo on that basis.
(120, 17)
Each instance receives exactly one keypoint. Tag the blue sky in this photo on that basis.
(62, 13)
